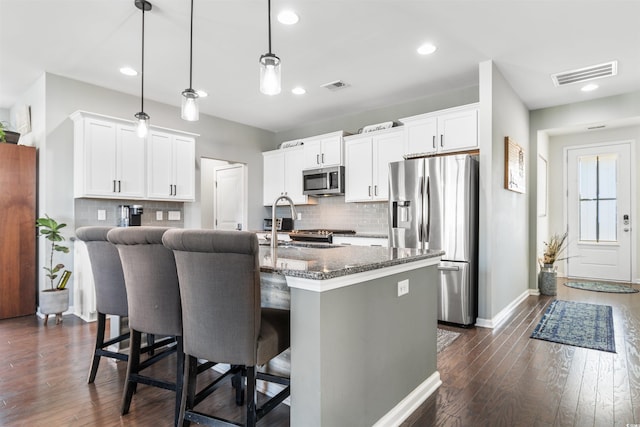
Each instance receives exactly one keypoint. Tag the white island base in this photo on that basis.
(360, 354)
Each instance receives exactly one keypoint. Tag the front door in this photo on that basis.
(599, 212)
(229, 197)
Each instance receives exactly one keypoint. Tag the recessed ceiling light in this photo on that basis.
(201, 93)
(298, 90)
(589, 87)
(128, 71)
(288, 17)
(426, 49)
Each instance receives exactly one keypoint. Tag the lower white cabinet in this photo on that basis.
(361, 241)
(171, 167)
(282, 175)
(367, 159)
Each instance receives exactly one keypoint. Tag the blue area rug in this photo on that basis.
(577, 324)
(602, 287)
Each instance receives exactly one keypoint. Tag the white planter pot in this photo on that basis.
(54, 302)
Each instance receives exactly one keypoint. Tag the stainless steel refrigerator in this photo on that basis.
(433, 204)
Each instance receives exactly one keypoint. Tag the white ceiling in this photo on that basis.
(370, 44)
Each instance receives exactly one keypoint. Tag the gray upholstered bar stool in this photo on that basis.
(219, 276)
(111, 295)
(154, 305)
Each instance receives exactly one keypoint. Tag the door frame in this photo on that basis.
(633, 199)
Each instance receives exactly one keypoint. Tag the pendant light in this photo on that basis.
(269, 67)
(190, 111)
(142, 127)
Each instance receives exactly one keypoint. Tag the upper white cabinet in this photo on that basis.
(282, 175)
(451, 130)
(171, 166)
(109, 158)
(323, 150)
(367, 159)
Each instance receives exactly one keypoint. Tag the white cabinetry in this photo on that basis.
(282, 175)
(360, 241)
(367, 159)
(171, 163)
(445, 131)
(323, 150)
(109, 158)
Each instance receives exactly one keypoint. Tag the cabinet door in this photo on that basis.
(331, 154)
(293, 166)
(273, 176)
(358, 170)
(160, 166)
(458, 130)
(100, 158)
(421, 136)
(386, 149)
(131, 157)
(184, 168)
(312, 154)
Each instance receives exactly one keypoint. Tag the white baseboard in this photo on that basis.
(410, 403)
(504, 313)
(534, 292)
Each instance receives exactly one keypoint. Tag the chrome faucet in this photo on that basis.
(274, 231)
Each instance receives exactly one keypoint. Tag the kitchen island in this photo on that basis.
(361, 355)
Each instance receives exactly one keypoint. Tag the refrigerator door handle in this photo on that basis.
(427, 219)
(448, 268)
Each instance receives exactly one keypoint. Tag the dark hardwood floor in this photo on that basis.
(501, 377)
(496, 377)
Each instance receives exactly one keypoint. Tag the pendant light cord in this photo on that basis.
(142, 74)
(269, 20)
(191, 50)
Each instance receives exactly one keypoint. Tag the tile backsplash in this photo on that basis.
(334, 213)
(86, 212)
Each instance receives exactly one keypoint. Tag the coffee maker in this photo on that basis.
(129, 215)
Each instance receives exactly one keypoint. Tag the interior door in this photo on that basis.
(599, 212)
(229, 198)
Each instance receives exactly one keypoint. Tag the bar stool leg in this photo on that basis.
(102, 319)
(133, 367)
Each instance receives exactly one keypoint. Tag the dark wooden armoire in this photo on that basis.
(17, 230)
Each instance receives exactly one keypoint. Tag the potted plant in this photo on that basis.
(548, 270)
(8, 135)
(54, 300)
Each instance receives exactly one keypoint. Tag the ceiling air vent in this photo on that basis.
(337, 85)
(584, 74)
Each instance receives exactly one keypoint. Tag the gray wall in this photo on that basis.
(573, 118)
(504, 216)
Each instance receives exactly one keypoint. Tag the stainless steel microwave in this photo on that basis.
(323, 182)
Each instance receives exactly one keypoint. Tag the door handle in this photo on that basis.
(434, 141)
(119, 186)
(322, 158)
(448, 268)
(441, 140)
(375, 190)
(114, 185)
(317, 159)
(369, 191)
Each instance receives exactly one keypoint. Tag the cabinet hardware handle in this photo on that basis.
(175, 190)
(114, 185)
(119, 187)
(322, 158)
(369, 191)
(317, 159)
(441, 140)
(434, 141)
(375, 190)
(171, 189)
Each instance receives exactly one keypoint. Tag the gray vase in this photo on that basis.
(547, 280)
(54, 302)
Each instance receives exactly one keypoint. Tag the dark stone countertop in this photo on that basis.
(324, 261)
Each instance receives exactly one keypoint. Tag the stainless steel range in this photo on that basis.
(318, 235)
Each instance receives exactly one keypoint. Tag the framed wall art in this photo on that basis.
(514, 166)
